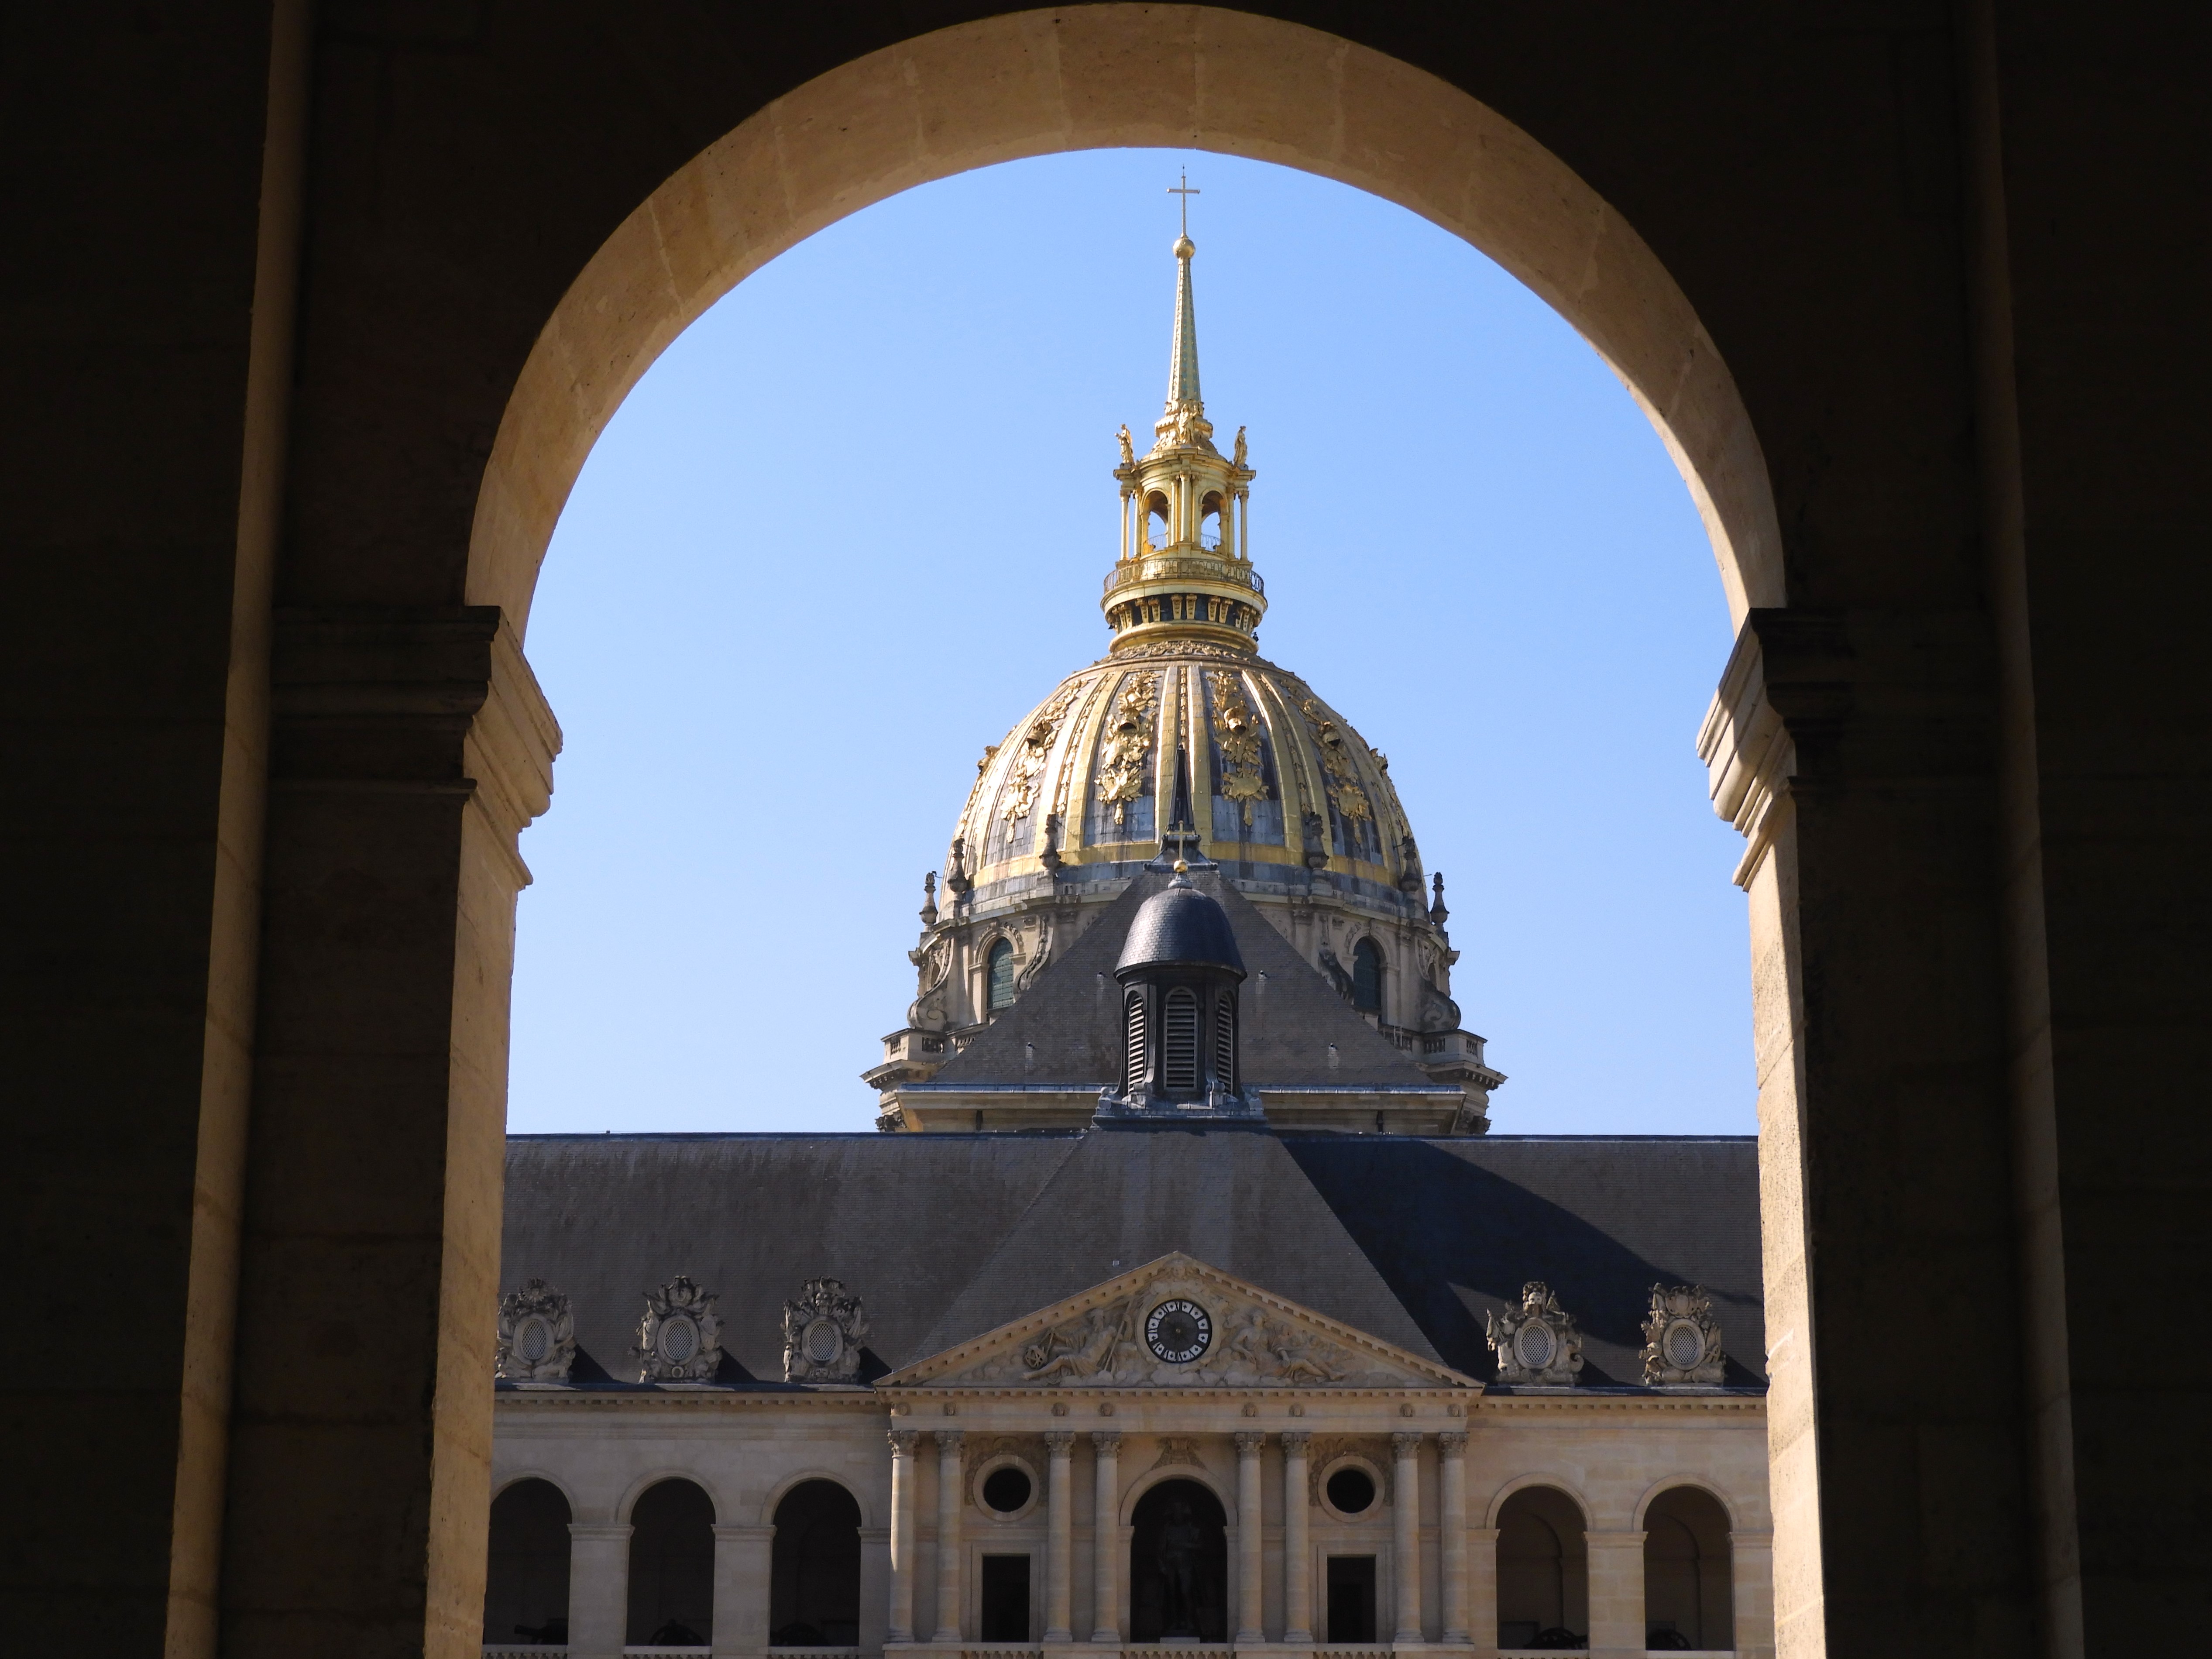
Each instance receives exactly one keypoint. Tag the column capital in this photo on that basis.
(1059, 1441)
(903, 1441)
(1453, 1441)
(1249, 1442)
(1294, 1440)
(950, 1440)
(1106, 1440)
(1407, 1441)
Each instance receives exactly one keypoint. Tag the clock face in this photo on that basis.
(1178, 1331)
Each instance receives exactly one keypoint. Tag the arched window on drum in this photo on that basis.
(1367, 977)
(998, 977)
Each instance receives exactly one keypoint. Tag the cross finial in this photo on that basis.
(1186, 192)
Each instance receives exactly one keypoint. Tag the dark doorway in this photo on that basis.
(1005, 1599)
(1351, 1598)
(1688, 1593)
(671, 1568)
(814, 1569)
(1179, 1566)
(526, 1572)
(1543, 1570)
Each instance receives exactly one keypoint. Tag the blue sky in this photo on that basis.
(851, 525)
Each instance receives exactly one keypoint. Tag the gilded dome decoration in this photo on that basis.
(1184, 741)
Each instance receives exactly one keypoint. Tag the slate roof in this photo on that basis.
(1290, 1015)
(945, 1236)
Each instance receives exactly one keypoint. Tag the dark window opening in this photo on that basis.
(1367, 977)
(1179, 1043)
(1006, 1595)
(1179, 1566)
(814, 1568)
(526, 1571)
(671, 1568)
(1351, 1491)
(1688, 1595)
(1351, 1598)
(999, 973)
(1543, 1572)
(1007, 1490)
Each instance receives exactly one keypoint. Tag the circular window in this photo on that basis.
(679, 1340)
(1533, 1347)
(1351, 1491)
(1685, 1345)
(1007, 1490)
(1178, 1331)
(534, 1340)
(823, 1341)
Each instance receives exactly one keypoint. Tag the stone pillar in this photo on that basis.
(875, 1586)
(899, 1627)
(1451, 1532)
(1482, 1588)
(1106, 1542)
(1616, 1594)
(743, 1559)
(1297, 1553)
(1251, 1539)
(1405, 1533)
(1059, 1536)
(1751, 1588)
(598, 1589)
(950, 1492)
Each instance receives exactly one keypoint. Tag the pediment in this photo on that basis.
(1103, 1338)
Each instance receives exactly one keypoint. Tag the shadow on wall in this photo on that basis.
(1454, 1240)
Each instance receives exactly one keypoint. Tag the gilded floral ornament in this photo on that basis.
(1237, 730)
(1122, 776)
(1344, 792)
(1037, 746)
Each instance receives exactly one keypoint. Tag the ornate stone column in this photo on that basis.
(1616, 1594)
(1106, 1540)
(1059, 1535)
(1297, 1554)
(1482, 1588)
(1751, 1563)
(598, 1589)
(1451, 1531)
(744, 1558)
(900, 1625)
(1406, 1532)
(1251, 1538)
(950, 1492)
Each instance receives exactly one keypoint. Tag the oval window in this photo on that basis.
(1351, 1491)
(1007, 1490)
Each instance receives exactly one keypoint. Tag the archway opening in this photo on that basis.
(1179, 1565)
(671, 1567)
(1543, 1572)
(1688, 1578)
(527, 1566)
(814, 1572)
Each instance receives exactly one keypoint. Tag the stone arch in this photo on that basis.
(814, 1565)
(516, 1477)
(645, 1483)
(1133, 1492)
(1039, 82)
(785, 1486)
(1689, 1570)
(527, 1561)
(1668, 1483)
(1522, 1482)
(1542, 1565)
(671, 1590)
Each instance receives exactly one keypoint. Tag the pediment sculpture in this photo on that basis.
(1177, 1322)
(537, 1336)
(1536, 1343)
(822, 1330)
(1681, 1340)
(680, 1338)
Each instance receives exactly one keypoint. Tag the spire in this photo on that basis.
(1183, 424)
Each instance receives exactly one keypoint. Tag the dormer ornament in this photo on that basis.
(537, 1336)
(1681, 1340)
(823, 1329)
(1537, 1344)
(680, 1338)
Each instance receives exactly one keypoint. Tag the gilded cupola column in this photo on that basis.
(1183, 568)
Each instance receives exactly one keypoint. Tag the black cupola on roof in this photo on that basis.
(1179, 970)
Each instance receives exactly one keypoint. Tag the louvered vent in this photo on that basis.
(1132, 1067)
(1179, 1043)
(1224, 1041)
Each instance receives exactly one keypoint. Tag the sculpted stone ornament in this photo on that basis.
(680, 1338)
(1128, 446)
(1537, 1344)
(1682, 1342)
(1237, 731)
(1121, 770)
(823, 1329)
(1029, 761)
(537, 1336)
